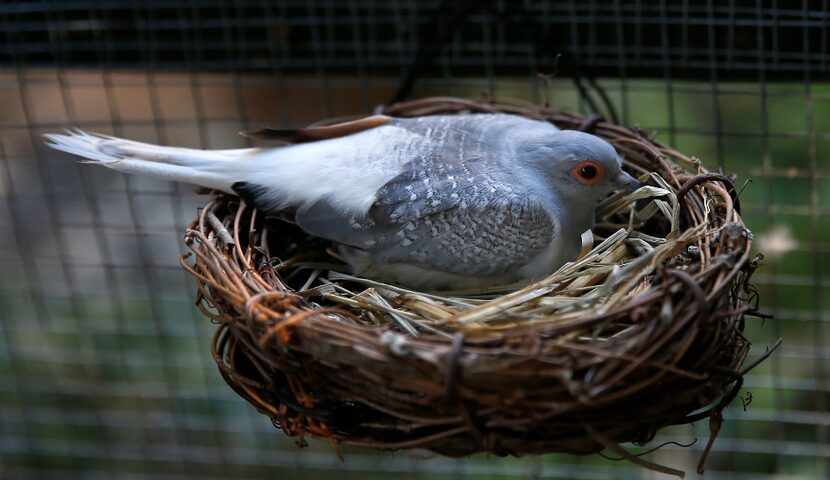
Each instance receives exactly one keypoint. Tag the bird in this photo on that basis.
(438, 202)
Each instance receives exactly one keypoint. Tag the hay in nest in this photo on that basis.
(644, 330)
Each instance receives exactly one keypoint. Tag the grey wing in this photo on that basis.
(458, 206)
(471, 163)
(488, 240)
(482, 241)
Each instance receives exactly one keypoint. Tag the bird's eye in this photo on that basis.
(588, 172)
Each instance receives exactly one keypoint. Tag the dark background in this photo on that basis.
(105, 370)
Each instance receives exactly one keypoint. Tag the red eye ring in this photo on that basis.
(588, 172)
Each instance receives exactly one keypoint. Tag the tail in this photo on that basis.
(208, 168)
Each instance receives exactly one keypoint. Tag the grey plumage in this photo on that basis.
(431, 202)
(449, 208)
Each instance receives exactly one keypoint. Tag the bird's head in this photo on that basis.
(580, 166)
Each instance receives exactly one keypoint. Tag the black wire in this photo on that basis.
(449, 16)
(576, 77)
(566, 62)
(432, 38)
(611, 112)
(658, 447)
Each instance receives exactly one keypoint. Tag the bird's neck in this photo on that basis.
(578, 218)
(573, 213)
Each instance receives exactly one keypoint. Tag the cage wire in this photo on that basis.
(104, 362)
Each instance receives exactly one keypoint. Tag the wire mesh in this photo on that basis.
(104, 363)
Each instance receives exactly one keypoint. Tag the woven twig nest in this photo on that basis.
(643, 331)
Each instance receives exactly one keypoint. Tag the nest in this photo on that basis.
(642, 331)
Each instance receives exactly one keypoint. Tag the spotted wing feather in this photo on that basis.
(456, 207)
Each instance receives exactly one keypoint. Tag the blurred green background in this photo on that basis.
(105, 367)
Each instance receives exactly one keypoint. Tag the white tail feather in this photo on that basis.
(208, 168)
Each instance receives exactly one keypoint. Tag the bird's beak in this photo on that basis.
(626, 182)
